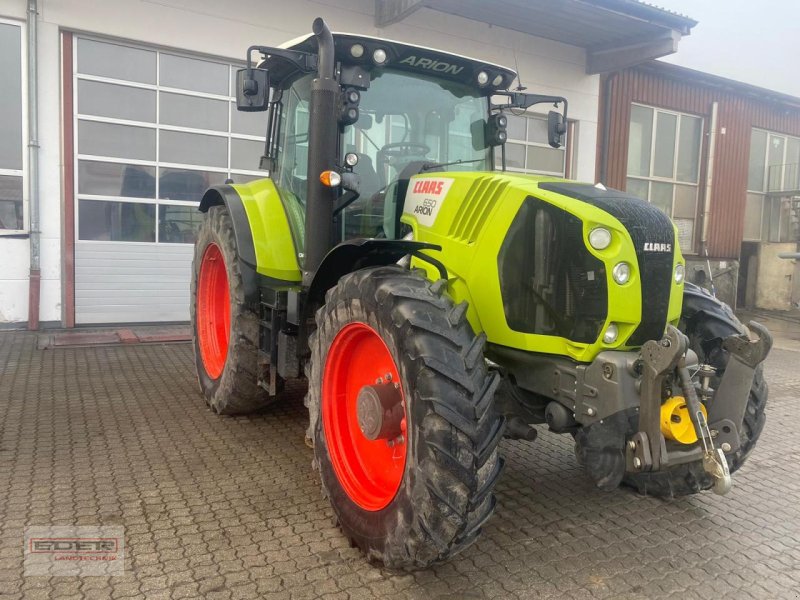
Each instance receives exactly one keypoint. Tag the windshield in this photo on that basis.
(406, 121)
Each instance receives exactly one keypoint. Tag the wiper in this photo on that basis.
(429, 166)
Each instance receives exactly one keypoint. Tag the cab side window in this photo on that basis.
(292, 153)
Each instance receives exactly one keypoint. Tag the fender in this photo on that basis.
(225, 195)
(357, 254)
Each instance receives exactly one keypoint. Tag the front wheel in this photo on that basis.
(405, 433)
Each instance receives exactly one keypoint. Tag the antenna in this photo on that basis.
(520, 87)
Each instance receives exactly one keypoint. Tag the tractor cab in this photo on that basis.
(403, 110)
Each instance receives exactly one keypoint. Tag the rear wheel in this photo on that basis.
(404, 429)
(224, 325)
(707, 322)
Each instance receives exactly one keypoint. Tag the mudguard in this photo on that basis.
(265, 240)
(360, 253)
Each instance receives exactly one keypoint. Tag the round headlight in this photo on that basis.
(356, 50)
(610, 336)
(600, 238)
(502, 121)
(680, 273)
(351, 159)
(353, 96)
(497, 81)
(379, 56)
(483, 78)
(621, 272)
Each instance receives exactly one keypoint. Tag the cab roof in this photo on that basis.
(406, 57)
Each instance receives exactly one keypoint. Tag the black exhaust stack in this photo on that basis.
(322, 151)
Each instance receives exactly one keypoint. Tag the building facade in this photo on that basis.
(135, 118)
(721, 158)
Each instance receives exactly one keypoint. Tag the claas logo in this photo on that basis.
(428, 186)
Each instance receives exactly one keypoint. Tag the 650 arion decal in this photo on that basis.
(424, 198)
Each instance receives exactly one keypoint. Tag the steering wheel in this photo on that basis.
(402, 149)
(391, 153)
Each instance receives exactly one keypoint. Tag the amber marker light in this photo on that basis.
(330, 178)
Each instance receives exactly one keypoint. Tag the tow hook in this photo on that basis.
(714, 461)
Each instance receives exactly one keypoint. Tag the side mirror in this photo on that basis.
(556, 128)
(252, 90)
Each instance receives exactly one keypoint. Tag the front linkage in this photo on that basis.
(646, 450)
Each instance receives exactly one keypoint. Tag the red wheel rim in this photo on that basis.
(370, 471)
(213, 311)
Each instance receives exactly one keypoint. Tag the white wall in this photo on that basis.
(226, 29)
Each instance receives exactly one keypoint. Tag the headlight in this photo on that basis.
(356, 50)
(621, 273)
(680, 273)
(483, 78)
(600, 238)
(379, 56)
(610, 336)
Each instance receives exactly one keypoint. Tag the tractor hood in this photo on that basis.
(549, 265)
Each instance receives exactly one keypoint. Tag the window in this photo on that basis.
(154, 129)
(404, 121)
(12, 205)
(664, 165)
(773, 175)
(527, 150)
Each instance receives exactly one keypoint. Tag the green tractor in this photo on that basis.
(437, 303)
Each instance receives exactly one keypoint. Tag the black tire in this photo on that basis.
(452, 462)
(235, 390)
(707, 321)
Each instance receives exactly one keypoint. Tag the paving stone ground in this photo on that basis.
(220, 507)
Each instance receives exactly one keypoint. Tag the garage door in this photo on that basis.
(153, 129)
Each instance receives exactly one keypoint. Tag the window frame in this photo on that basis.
(567, 148)
(21, 173)
(673, 181)
(157, 164)
(767, 197)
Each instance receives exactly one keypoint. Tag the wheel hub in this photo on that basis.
(379, 409)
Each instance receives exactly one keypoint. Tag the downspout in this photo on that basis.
(33, 170)
(712, 146)
(606, 126)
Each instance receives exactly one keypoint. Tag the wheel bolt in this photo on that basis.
(726, 447)
(631, 444)
(637, 462)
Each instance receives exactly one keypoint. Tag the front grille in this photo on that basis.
(646, 225)
(550, 283)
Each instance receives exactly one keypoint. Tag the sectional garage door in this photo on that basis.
(153, 129)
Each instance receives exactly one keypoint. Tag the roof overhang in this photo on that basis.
(615, 33)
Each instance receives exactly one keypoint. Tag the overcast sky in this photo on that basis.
(755, 41)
